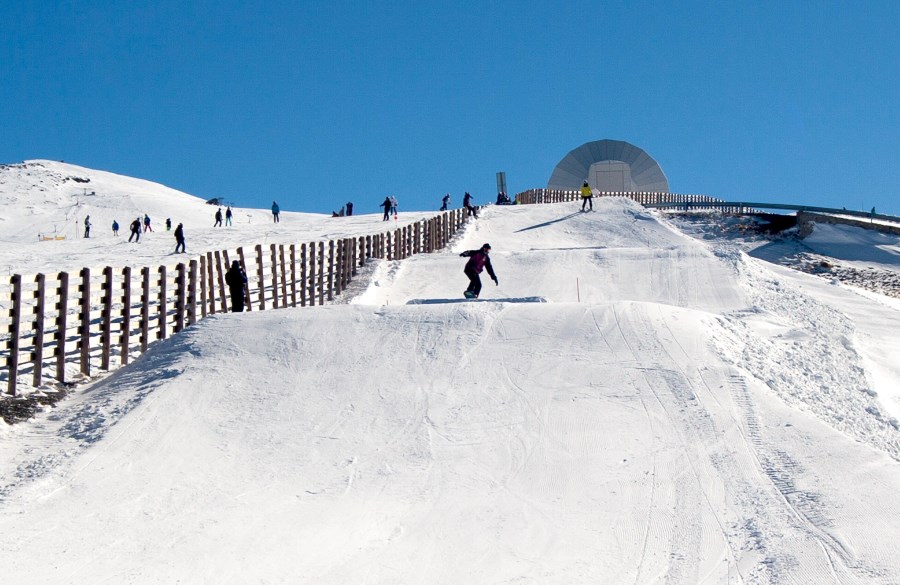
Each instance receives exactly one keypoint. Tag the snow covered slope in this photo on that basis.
(676, 412)
(46, 199)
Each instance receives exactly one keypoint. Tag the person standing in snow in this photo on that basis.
(168, 224)
(587, 196)
(276, 211)
(87, 226)
(236, 279)
(135, 230)
(147, 227)
(115, 227)
(445, 202)
(478, 261)
(393, 205)
(228, 215)
(387, 208)
(218, 218)
(349, 208)
(467, 203)
(179, 238)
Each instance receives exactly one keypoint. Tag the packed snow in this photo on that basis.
(635, 402)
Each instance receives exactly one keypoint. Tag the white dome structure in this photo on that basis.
(609, 166)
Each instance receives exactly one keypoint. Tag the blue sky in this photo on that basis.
(318, 103)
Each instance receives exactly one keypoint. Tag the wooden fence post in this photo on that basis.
(221, 280)
(106, 302)
(330, 270)
(62, 307)
(163, 315)
(180, 296)
(284, 275)
(126, 314)
(293, 255)
(260, 277)
(15, 313)
(38, 355)
(303, 274)
(203, 286)
(192, 294)
(274, 259)
(211, 281)
(145, 308)
(85, 323)
(321, 273)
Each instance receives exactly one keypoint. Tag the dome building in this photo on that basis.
(609, 166)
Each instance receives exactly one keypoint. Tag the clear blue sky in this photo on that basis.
(318, 103)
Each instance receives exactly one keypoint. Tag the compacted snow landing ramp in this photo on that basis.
(445, 301)
(616, 441)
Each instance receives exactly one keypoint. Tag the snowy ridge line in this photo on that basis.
(88, 321)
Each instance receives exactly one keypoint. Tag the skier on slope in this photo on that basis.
(478, 260)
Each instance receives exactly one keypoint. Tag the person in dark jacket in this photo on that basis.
(236, 279)
(115, 227)
(478, 260)
(87, 226)
(179, 238)
(349, 208)
(445, 202)
(135, 230)
(218, 218)
(387, 208)
(467, 203)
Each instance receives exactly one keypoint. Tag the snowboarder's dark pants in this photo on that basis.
(237, 300)
(586, 201)
(180, 244)
(135, 234)
(471, 211)
(474, 281)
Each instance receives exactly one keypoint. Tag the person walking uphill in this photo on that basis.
(135, 230)
(87, 226)
(276, 213)
(587, 196)
(478, 260)
(387, 208)
(467, 203)
(236, 279)
(179, 238)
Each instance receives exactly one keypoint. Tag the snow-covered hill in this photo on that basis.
(47, 199)
(678, 411)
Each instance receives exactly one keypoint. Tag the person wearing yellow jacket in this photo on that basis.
(587, 196)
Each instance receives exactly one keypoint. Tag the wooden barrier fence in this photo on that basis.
(643, 197)
(100, 320)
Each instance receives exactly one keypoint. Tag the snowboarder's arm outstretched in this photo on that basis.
(490, 271)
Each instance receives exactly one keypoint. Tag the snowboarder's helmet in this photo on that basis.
(486, 247)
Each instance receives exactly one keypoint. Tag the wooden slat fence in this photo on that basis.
(64, 327)
(643, 197)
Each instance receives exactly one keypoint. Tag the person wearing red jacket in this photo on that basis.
(478, 260)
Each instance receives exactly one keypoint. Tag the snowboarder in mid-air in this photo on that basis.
(478, 260)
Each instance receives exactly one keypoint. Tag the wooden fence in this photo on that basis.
(642, 197)
(63, 327)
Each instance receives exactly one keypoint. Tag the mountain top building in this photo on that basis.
(609, 166)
